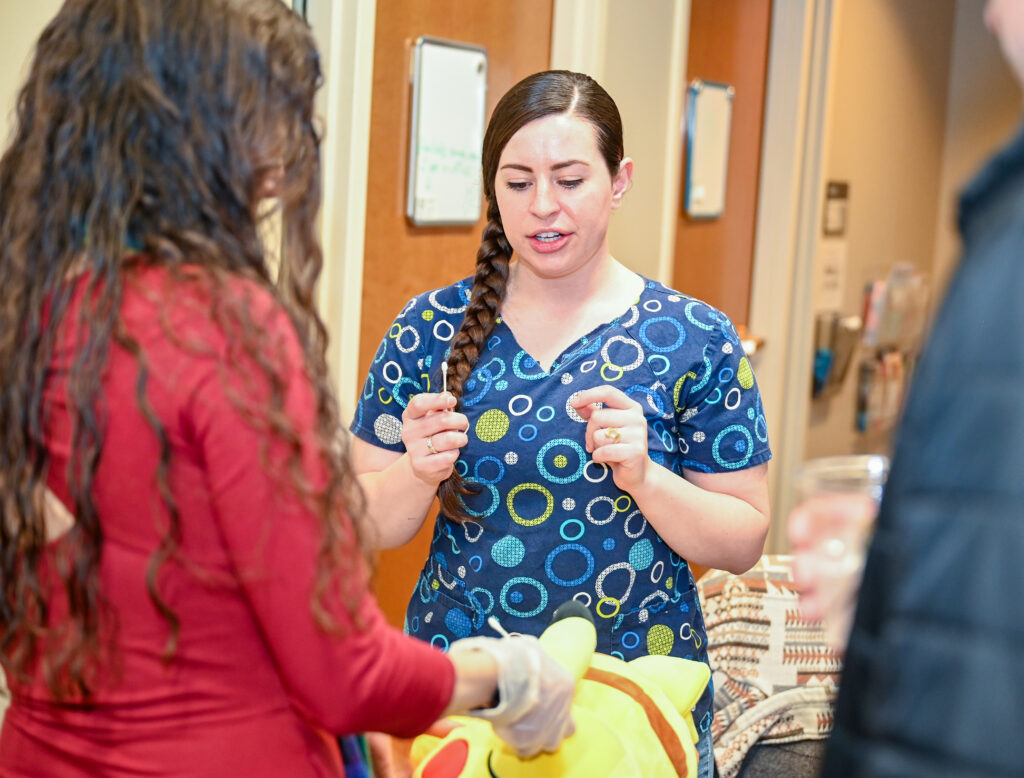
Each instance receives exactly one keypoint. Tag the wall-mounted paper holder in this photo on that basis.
(835, 341)
(708, 123)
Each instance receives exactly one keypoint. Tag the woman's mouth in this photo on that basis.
(548, 241)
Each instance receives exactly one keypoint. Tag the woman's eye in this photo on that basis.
(571, 183)
(517, 186)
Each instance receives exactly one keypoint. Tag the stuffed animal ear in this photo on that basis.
(571, 639)
(458, 754)
(422, 746)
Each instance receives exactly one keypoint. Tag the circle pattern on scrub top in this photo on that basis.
(573, 551)
(530, 487)
(744, 374)
(575, 448)
(458, 623)
(641, 555)
(550, 523)
(509, 551)
(660, 638)
(492, 425)
(388, 429)
(514, 593)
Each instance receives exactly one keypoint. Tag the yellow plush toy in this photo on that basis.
(633, 720)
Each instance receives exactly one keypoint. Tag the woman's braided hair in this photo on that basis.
(548, 93)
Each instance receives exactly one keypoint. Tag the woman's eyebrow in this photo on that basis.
(556, 166)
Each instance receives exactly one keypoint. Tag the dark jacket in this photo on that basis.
(934, 677)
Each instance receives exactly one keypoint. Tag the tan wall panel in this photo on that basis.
(887, 131)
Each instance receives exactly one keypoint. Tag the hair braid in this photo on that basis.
(489, 286)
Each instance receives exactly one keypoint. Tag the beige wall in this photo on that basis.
(982, 111)
(20, 26)
(887, 115)
(921, 97)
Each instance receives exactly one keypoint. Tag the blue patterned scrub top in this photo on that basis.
(550, 524)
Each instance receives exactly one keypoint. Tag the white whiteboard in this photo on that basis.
(708, 126)
(449, 89)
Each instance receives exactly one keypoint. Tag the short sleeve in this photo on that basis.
(407, 362)
(398, 371)
(719, 415)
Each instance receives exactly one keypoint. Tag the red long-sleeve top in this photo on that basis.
(255, 687)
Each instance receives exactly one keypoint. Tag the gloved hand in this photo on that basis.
(535, 693)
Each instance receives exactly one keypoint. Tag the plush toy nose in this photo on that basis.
(449, 762)
(572, 608)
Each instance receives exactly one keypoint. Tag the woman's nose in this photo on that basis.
(544, 201)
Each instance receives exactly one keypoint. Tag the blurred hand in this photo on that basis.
(616, 433)
(59, 520)
(391, 757)
(433, 435)
(535, 693)
(828, 536)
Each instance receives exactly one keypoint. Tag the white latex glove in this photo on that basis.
(535, 693)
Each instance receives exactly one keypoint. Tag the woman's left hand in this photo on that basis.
(616, 433)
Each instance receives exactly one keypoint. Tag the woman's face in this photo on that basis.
(556, 195)
(1005, 18)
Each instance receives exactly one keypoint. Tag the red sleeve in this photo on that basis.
(370, 679)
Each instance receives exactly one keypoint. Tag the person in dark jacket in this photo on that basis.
(933, 682)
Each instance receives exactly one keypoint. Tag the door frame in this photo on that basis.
(345, 37)
(791, 189)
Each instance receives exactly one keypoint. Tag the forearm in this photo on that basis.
(704, 527)
(397, 502)
(476, 681)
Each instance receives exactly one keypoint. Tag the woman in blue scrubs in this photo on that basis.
(589, 432)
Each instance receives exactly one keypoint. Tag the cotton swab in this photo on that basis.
(494, 624)
(444, 377)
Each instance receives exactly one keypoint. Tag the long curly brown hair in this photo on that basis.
(151, 124)
(542, 94)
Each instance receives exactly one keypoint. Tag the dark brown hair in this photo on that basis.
(542, 94)
(146, 123)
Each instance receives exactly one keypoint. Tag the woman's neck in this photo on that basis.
(548, 315)
(607, 282)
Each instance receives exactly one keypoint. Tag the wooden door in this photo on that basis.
(400, 260)
(714, 258)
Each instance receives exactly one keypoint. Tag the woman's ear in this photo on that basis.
(622, 181)
(270, 179)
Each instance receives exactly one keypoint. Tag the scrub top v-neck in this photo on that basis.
(549, 524)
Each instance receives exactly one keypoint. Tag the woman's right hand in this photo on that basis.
(433, 435)
(534, 692)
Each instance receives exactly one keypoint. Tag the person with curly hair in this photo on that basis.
(182, 555)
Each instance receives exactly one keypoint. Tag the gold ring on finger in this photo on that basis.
(614, 434)
(430, 444)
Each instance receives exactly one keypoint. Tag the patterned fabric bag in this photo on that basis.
(775, 675)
